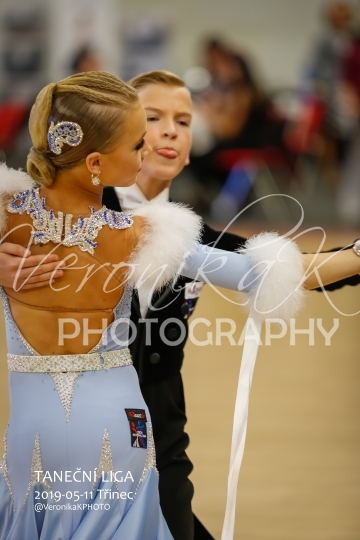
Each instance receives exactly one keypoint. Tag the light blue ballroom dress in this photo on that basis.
(78, 421)
(79, 458)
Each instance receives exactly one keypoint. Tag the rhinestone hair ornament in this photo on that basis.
(64, 133)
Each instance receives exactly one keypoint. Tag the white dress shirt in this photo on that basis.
(131, 197)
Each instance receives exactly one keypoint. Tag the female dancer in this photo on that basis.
(79, 460)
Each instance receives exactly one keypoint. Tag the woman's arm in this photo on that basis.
(226, 269)
(232, 242)
(270, 268)
(220, 268)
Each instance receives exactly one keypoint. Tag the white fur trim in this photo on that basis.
(171, 231)
(278, 263)
(11, 181)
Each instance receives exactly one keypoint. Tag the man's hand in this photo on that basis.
(41, 273)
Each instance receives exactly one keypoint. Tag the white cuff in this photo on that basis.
(277, 262)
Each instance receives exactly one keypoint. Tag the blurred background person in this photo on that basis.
(86, 59)
(349, 187)
(326, 68)
(334, 77)
(246, 129)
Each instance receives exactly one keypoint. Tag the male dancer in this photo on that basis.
(168, 108)
(158, 357)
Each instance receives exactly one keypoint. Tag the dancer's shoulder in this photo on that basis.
(166, 232)
(167, 224)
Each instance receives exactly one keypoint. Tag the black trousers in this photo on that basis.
(165, 400)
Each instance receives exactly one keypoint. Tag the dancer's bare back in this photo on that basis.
(92, 285)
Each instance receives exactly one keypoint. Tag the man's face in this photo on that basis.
(168, 112)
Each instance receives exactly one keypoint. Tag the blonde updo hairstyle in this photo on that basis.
(99, 102)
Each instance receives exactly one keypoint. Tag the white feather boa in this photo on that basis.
(11, 181)
(171, 232)
(277, 262)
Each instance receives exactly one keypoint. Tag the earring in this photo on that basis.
(95, 180)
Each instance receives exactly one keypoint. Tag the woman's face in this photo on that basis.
(121, 166)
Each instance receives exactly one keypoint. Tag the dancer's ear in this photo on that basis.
(93, 162)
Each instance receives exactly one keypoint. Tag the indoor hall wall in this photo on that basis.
(277, 33)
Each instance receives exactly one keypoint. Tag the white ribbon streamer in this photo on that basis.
(251, 345)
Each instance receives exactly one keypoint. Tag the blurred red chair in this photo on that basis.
(12, 117)
(302, 136)
(305, 131)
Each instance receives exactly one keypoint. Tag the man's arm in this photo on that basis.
(352, 281)
(17, 266)
(218, 239)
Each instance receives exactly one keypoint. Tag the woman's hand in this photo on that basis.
(21, 270)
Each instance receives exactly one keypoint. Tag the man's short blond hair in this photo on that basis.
(155, 77)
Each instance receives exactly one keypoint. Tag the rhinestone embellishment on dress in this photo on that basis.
(61, 363)
(4, 467)
(65, 369)
(37, 475)
(106, 462)
(65, 386)
(64, 133)
(59, 229)
(150, 462)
